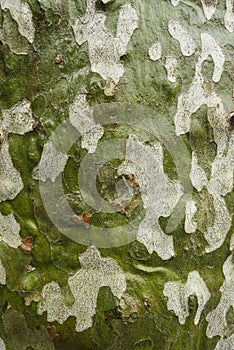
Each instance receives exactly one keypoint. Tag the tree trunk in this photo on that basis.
(116, 174)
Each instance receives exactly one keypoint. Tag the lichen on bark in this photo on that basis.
(169, 290)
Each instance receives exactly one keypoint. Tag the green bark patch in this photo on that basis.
(50, 72)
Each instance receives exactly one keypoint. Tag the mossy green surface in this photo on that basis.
(51, 88)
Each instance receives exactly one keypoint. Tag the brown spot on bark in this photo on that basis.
(26, 245)
(52, 332)
(84, 218)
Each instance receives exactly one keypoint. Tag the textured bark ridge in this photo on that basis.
(172, 285)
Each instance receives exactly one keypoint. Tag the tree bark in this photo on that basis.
(116, 174)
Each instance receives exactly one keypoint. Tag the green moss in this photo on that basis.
(15, 262)
(102, 332)
(9, 298)
(145, 344)
(31, 281)
(169, 166)
(51, 88)
(16, 75)
(65, 254)
(25, 152)
(131, 335)
(39, 105)
(70, 339)
(229, 199)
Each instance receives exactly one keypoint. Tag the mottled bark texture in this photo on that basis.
(171, 286)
